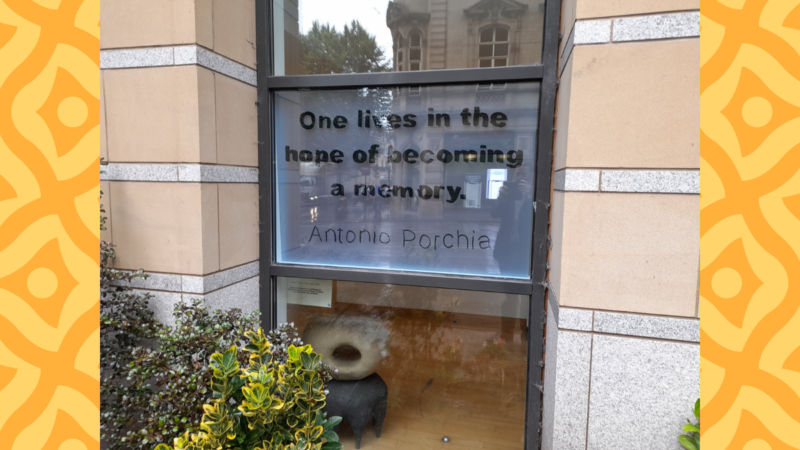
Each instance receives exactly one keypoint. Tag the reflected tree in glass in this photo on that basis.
(354, 50)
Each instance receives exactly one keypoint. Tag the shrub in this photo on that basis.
(271, 404)
(691, 440)
(154, 377)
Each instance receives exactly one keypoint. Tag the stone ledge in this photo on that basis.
(623, 324)
(631, 181)
(577, 180)
(651, 181)
(243, 295)
(191, 284)
(186, 173)
(647, 326)
(662, 26)
(176, 56)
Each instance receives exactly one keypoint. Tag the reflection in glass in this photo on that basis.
(454, 363)
(427, 199)
(348, 36)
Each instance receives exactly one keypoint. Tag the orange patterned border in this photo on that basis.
(49, 230)
(750, 224)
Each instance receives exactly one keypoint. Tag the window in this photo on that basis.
(361, 36)
(495, 178)
(493, 50)
(453, 362)
(397, 205)
(414, 51)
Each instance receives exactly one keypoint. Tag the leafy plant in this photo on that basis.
(270, 404)
(154, 377)
(691, 440)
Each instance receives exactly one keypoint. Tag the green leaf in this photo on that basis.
(688, 443)
(330, 436)
(332, 422)
(697, 409)
(307, 361)
(230, 356)
(331, 446)
(691, 427)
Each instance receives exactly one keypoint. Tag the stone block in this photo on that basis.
(156, 114)
(633, 106)
(642, 392)
(236, 122)
(166, 227)
(238, 224)
(626, 252)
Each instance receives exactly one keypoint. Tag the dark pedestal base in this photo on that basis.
(357, 402)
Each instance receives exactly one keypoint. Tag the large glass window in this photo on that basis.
(384, 168)
(422, 363)
(435, 179)
(346, 36)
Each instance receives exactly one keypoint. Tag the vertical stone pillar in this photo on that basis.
(179, 130)
(622, 353)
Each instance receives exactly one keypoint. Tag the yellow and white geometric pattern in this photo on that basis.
(49, 230)
(750, 224)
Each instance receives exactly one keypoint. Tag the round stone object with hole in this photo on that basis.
(353, 345)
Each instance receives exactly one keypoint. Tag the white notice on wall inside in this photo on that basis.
(306, 291)
(472, 189)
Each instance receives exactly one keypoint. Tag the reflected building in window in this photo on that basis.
(455, 34)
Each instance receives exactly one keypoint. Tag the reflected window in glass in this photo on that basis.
(493, 51)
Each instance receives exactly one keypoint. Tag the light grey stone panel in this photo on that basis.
(592, 31)
(179, 55)
(242, 295)
(223, 65)
(217, 174)
(550, 373)
(157, 281)
(651, 181)
(575, 319)
(141, 57)
(577, 180)
(570, 400)
(192, 284)
(139, 172)
(185, 55)
(214, 281)
(642, 392)
(162, 304)
(647, 326)
(662, 26)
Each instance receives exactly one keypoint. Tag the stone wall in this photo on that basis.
(622, 344)
(179, 130)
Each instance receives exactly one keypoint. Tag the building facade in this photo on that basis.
(180, 104)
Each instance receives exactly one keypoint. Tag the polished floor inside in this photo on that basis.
(448, 374)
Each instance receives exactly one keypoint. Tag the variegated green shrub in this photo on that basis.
(269, 405)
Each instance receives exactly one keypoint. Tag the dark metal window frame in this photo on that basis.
(545, 73)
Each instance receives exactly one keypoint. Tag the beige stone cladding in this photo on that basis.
(179, 114)
(631, 105)
(226, 27)
(166, 227)
(626, 252)
(179, 133)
